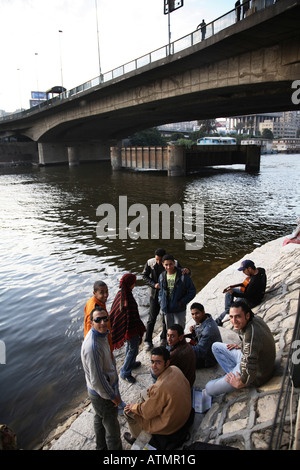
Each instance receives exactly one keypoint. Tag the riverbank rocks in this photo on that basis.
(242, 419)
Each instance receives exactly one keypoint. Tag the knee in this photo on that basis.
(216, 347)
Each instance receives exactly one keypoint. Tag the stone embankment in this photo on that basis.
(243, 418)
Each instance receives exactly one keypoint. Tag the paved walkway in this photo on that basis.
(243, 418)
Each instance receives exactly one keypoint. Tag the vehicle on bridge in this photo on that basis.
(216, 141)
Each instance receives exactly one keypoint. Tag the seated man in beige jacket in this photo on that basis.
(167, 407)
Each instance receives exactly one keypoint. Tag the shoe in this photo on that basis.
(128, 438)
(148, 346)
(137, 364)
(129, 379)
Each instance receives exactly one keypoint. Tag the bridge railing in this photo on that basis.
(217, 25)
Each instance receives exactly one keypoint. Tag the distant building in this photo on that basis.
(287, 126)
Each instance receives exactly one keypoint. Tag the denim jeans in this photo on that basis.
(132, 349)
(229, 360)
(106, 424)
(173, 318)
(228, 301)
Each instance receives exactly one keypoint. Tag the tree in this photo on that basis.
(207, 126)
(147, 138)
(267, 134)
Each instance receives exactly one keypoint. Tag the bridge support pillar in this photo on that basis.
(52, 153)
(252, 158)
(73, 156)
(116, 158)
(177, 166)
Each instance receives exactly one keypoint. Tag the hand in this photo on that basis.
(192, 328)
(128, 407)
(116, 401)
(234, 380)
(157, 286)
(233, 346)
(185, 271)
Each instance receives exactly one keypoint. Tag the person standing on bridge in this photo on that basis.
(238, 10)
(202, 26)
(246, 4)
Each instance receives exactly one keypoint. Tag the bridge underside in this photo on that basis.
(207, 104)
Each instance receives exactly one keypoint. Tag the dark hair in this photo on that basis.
(171, 257)
(244, 306)
(97, 308)
(177, 328)
(161, 351)
(160, 252)
(99, 284)
(197, 306)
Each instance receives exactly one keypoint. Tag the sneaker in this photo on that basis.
(137, 364)
(129, 379)
(128, 438)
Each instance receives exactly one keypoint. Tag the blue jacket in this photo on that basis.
(206, 334)
(184, 291)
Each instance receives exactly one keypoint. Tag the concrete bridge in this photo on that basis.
(246, 68)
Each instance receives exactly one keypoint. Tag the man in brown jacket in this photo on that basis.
(167, 407)
(181, 353)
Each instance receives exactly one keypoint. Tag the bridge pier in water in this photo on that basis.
(72, 153)
(180, 161)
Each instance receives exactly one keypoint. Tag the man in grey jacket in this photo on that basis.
(250, 363)
(102, 382)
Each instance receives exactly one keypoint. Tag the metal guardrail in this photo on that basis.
(217, 25)
(291, 379)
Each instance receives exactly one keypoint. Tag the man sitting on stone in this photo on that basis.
(250, 363)
(204, 333)
(181, 353)
(252, 290)
(167, 407)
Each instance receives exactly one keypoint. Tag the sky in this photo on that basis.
(36, 56)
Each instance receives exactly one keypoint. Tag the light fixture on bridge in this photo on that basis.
(98, 43)
(169, 6)
(60, 56)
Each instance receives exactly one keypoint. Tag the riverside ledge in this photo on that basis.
(244, 418)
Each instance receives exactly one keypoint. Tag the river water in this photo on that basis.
(51, 256)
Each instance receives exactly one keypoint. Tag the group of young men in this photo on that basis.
(166, 410)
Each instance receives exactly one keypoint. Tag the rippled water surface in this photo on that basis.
(51, 256)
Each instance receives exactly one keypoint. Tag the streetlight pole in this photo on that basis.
(61, 68)
(96, 6)
(37, 76)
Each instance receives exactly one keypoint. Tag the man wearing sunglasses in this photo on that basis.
(102, 382)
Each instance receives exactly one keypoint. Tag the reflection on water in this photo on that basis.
(50, 258)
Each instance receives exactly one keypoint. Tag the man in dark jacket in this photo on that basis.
(181, 353)
(252, 290)
(176, 290)
(152, 270)
(204, 334)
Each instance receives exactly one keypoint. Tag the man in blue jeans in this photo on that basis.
(250, 363)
